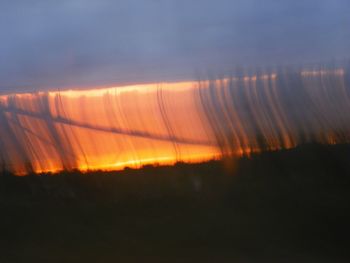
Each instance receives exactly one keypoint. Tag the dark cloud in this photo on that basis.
(50, 44)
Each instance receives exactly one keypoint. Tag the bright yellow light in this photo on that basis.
(131, 126)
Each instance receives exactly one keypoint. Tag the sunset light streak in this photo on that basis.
(164, 123)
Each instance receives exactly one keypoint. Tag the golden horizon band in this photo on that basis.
(164, 123)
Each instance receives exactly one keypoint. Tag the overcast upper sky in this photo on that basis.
(50, 44)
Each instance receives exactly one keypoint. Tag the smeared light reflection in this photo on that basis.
(114, 128)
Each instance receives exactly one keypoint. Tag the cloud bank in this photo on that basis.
(58, 44)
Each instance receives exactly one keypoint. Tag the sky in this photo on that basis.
(63, 44)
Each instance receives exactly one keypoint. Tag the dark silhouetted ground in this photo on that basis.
(286, 206)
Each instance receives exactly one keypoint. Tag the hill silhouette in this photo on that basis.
(284, 206)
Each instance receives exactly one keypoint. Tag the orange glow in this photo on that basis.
(131, 126)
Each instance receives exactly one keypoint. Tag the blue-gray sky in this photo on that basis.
(49, 44)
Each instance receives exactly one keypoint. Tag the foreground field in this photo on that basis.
(287, 206)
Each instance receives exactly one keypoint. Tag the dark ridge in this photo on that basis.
(284, 206)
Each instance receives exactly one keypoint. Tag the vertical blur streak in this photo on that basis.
(131, 126)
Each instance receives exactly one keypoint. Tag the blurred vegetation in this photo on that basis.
(285, 206)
